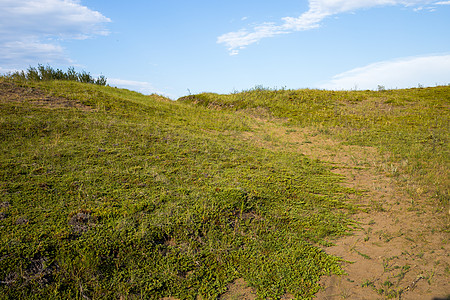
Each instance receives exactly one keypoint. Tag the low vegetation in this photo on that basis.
(46, 73)
(108, 193)
(410, 126)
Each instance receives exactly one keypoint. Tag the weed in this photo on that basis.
(404, 270)
(386, 264)
(368, 283)
(377, 206)
(362, 254)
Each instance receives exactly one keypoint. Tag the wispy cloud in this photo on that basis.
(318, 10)
(30, 30)
(399, 73)
(29, 52)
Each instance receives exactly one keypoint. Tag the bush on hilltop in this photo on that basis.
(46, 73)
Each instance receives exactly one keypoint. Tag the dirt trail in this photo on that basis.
(399, 251)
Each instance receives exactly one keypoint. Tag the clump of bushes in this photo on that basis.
(44, 73)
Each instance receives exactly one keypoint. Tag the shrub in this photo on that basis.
(46, 73)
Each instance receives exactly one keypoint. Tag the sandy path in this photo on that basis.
(399, 251)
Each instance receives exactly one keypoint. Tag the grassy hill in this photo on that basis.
(410, 124)
(108, 193)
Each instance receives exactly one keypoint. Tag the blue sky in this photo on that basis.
(175, 47)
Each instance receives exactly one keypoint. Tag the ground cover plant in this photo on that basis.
(107, 193)
(390, 144)
(410, 126)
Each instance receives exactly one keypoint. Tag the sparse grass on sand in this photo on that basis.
(410, 127)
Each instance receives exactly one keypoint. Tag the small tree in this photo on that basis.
(101, 80)
(381, 88)
(72, 74)
(33, 74)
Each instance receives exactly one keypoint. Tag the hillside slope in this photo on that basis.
(392, 146)
(107, 193)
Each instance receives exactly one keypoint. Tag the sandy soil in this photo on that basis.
(399, 250)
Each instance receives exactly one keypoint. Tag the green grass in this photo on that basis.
(136, 196)
(410, 127)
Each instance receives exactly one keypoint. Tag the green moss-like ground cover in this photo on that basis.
(132, 196)
(410, 127)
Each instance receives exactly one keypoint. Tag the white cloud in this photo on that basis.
(443, 3)
(30, 29)
(318, 10)
(26, 52)
(399, 73)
